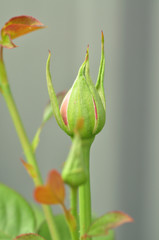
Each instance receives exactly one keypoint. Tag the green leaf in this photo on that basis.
(36, 139)
(16, 215)
(39, 216)
(48, 113)
(29, 236)
(102, 225)
(110, 236)
(62, 229)
(4, 236)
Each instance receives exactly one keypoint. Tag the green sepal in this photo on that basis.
(53, 98)
(81, 105)
(98, 101)
(74, 172)
(100, 80)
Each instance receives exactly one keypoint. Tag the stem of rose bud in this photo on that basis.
(28, 151)
(85, 216)
(74, 211)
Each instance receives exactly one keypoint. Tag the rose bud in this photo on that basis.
(83, 101)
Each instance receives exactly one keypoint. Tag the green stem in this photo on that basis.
(74, 202)
(85, 192)
(74, 234)
(30, 156)
(73, 198)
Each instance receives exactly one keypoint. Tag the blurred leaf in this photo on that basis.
(57, 185)
(30, 169)
(62, 228)
(53, 192)
(4, 236)
(36, 139)
(39, 216)
(109, 236)
(16, 27)
(102, 225)
(29, 236)
(44, 195)
(48, 113)
(7, 42)
(16, 215)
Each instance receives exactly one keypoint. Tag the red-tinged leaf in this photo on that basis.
(44, 195)
(20, 25)
(30, 169)
(53, 192)
(57, 185)
(102, 225)
(16, 27)
(29, 236)
(70, 218)
(24, 19)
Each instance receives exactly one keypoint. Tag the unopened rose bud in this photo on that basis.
(83, 101)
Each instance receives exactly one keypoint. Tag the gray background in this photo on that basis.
(124, 157)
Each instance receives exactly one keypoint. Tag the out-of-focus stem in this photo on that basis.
(74, 202)
(27, 148)
(74, 211)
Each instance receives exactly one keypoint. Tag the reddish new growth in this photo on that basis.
(16, 27)
(53, 192)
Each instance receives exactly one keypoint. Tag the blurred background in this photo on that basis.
(124, 156)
